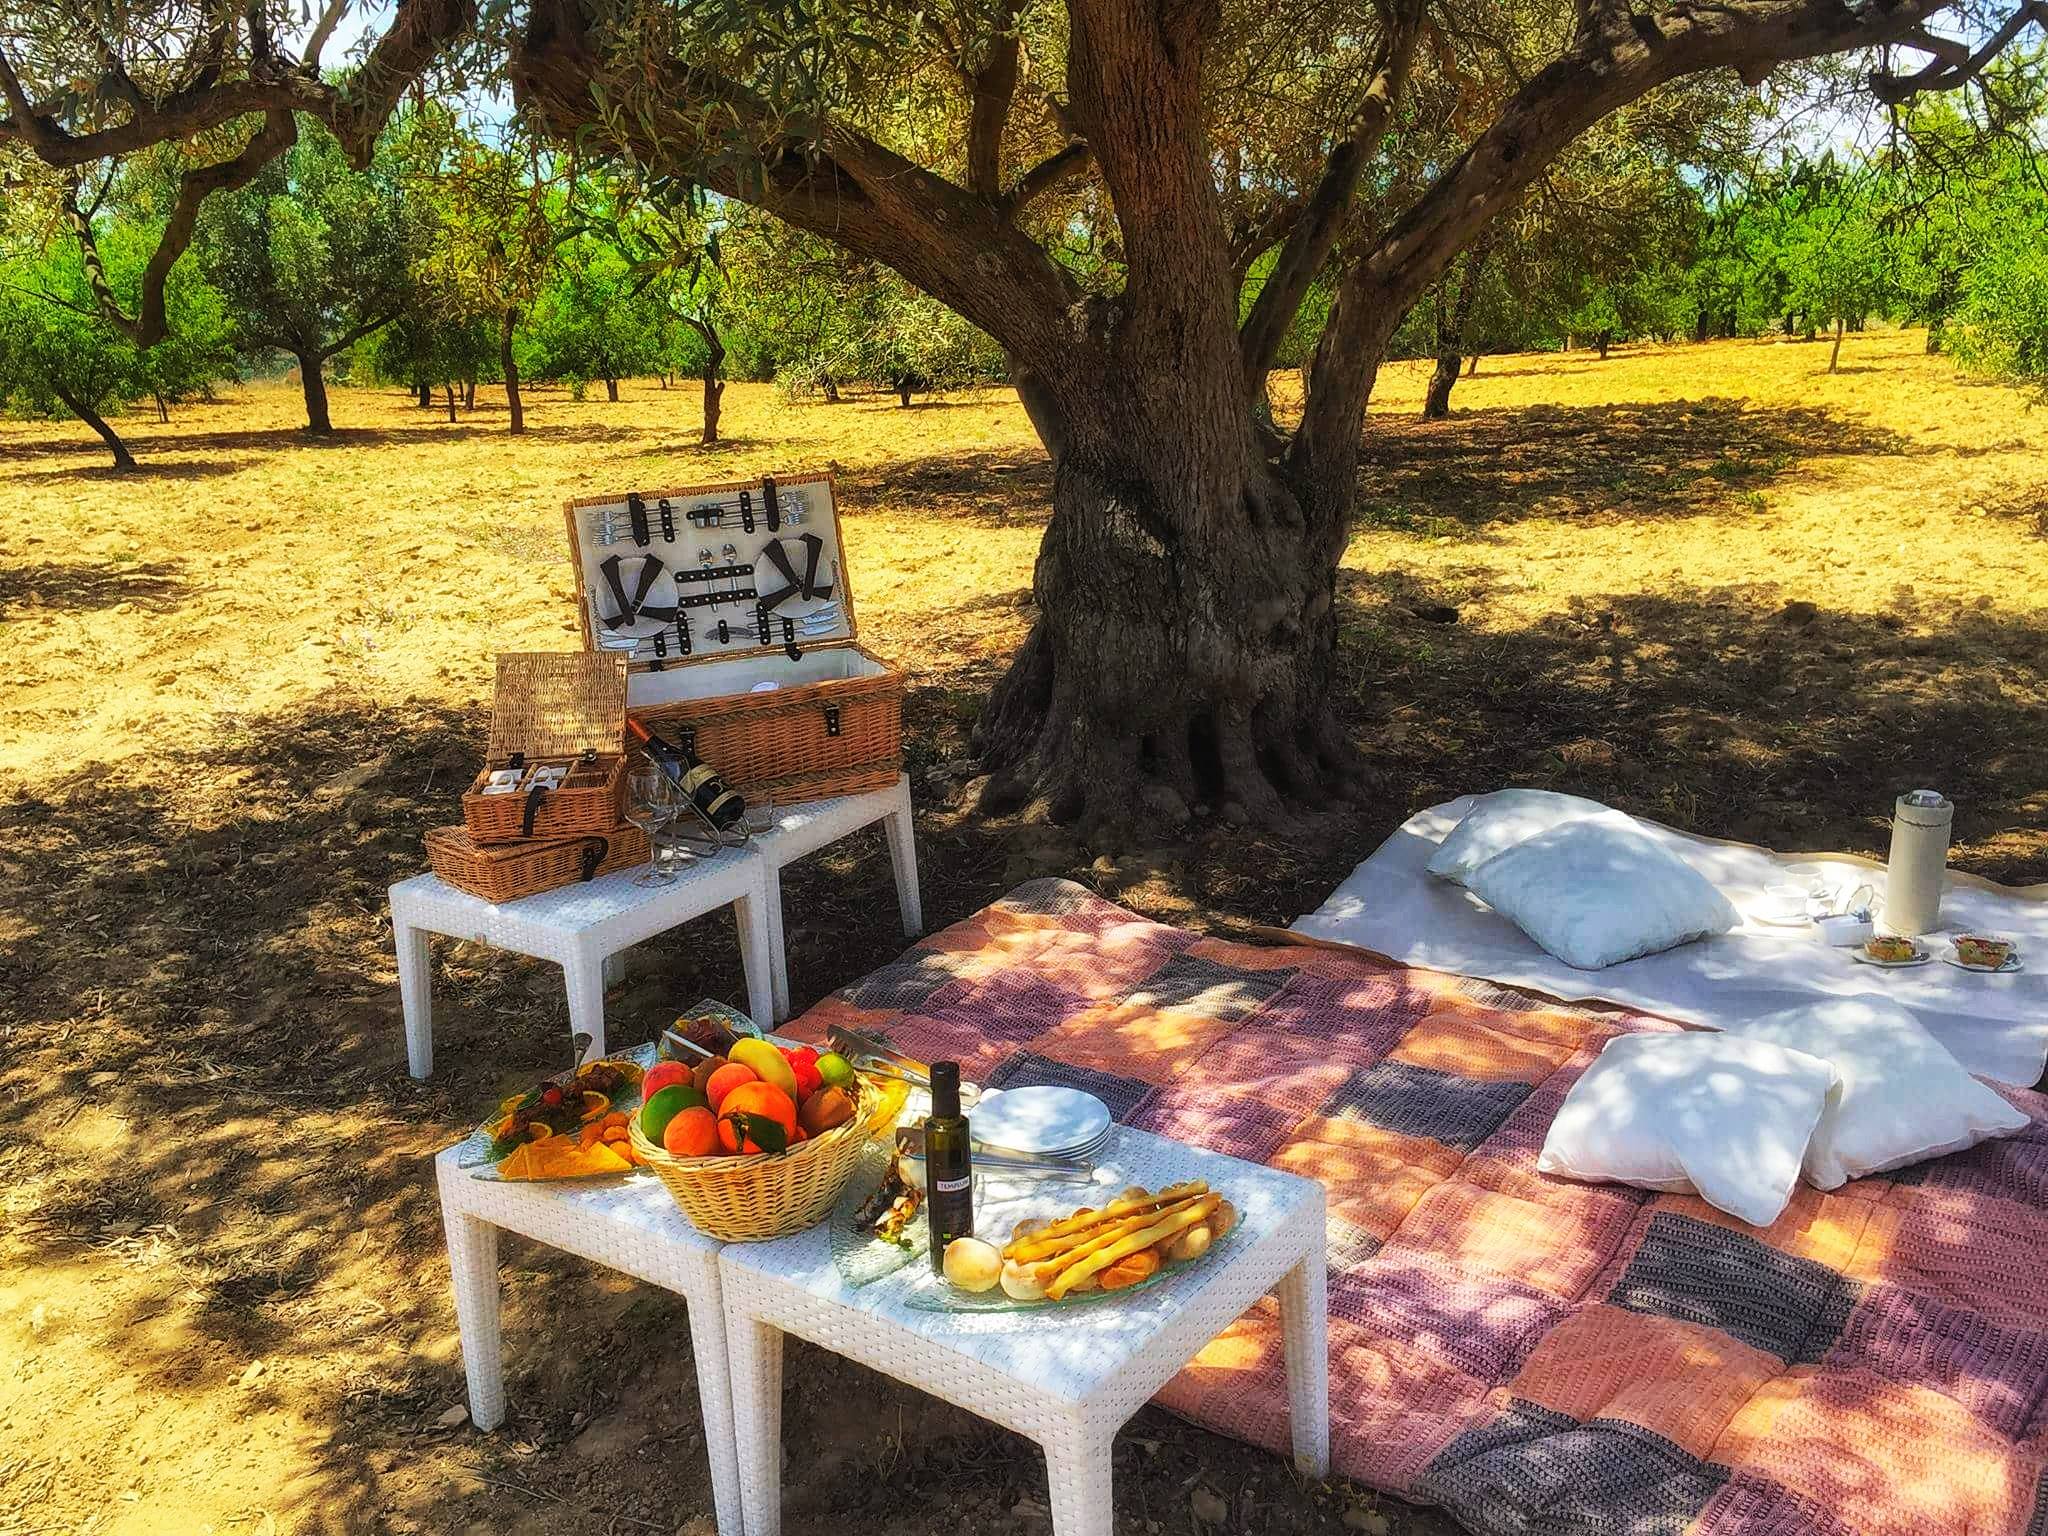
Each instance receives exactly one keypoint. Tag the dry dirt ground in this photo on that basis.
(1712, 584)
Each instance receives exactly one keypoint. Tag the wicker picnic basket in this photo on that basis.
(773, 690)
(771, 1194)
(506, 871)
(566, 709)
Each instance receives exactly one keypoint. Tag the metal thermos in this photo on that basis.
(1912, 891)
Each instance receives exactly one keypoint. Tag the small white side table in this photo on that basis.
(1068, 1376)
(579, 927)
(804, 829)
(631, 1225)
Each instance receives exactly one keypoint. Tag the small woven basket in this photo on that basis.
(568, 709)
(507, 871)
(771, 1194)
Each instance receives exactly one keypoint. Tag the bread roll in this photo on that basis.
(973, 1265)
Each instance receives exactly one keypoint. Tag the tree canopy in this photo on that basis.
(1089, 183)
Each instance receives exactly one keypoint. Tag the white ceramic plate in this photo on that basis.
(2012, 963)
(1042, 1122)
(1780, 922)
(1863, 956)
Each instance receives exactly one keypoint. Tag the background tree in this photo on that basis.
(672, 238)
(1089, 182)
(310, 257)
(594, 318)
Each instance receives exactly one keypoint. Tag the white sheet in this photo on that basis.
(1996, 1026)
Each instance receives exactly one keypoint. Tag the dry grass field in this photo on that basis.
(1712, 584)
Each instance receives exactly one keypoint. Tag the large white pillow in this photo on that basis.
(1500, 820)
(1600, 890)
(1903, 1099)
(1723, 1116)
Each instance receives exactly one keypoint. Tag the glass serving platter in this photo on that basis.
(999, 1204)
(474, 1151)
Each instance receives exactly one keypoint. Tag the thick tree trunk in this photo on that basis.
(1702, 326)
(313, 383)
(611, 389)
(123, 459)
(1186, 626)
(510, 366)
(469, 394)
(1835, 357)
(1604, 341)
(425, 391)
(449, 387)
(903, 393)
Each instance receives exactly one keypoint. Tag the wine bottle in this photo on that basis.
(696, 778)
(948, 1164)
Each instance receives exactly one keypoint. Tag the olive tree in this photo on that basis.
(1089, 182)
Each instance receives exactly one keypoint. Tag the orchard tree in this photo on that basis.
(594, 318)
(1089, 182)
(310, 257)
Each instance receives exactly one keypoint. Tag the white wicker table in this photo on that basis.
(631, 1225)
(579, 927)
(1067, 1376)
(804, 829)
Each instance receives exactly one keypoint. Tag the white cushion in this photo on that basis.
(1903, 1099)
(1600, 890)
(1723, 1116)
(1500, 820)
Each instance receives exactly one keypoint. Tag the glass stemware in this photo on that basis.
(651, 806)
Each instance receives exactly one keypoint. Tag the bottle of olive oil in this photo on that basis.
(948, 1164)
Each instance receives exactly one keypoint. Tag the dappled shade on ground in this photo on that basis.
(1710, 584)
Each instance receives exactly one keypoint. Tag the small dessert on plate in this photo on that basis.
(1981, 952)
(1889, 949)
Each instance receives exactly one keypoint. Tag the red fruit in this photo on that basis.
(692, 1133)
(551, 1096)
(732, 1075)
(664, 1074)
(803, 1063)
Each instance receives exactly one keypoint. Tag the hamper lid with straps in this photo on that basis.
(558, 704)
(699, 573)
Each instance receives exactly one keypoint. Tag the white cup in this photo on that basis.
(1786, 901)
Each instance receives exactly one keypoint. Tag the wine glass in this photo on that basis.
(650, 806)
(759, 816)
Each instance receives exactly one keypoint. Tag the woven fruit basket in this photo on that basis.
(748, 1199)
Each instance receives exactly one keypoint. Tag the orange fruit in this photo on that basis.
(756, 1098)
(728, 1077)
(594, 1105)
(539, 1132)
(691, 1133)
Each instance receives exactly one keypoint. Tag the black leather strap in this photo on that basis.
(814, 547)
(773, 503)
(533, 799)
(779, 558)
(594, 850)
(636, 509)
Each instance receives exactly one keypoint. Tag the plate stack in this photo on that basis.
(1061, 1124)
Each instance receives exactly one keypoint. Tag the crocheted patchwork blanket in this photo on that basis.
(1529, 1353)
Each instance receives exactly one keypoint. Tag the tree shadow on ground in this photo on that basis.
(157, 586)
(984, 490)
(1604, 463)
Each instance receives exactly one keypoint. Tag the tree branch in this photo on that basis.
(993, 86)
(1309, 242)
(278, 133)
(1044, 176)
(1951, 63)
(830, 179)
(1601, 71)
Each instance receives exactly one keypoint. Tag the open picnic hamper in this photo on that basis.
(563, 712)
(731, 607)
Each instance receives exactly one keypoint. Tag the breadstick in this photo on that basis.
(1047, 1238)
(1079, 1245)
(1042, 1249)
(1174, 1224)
